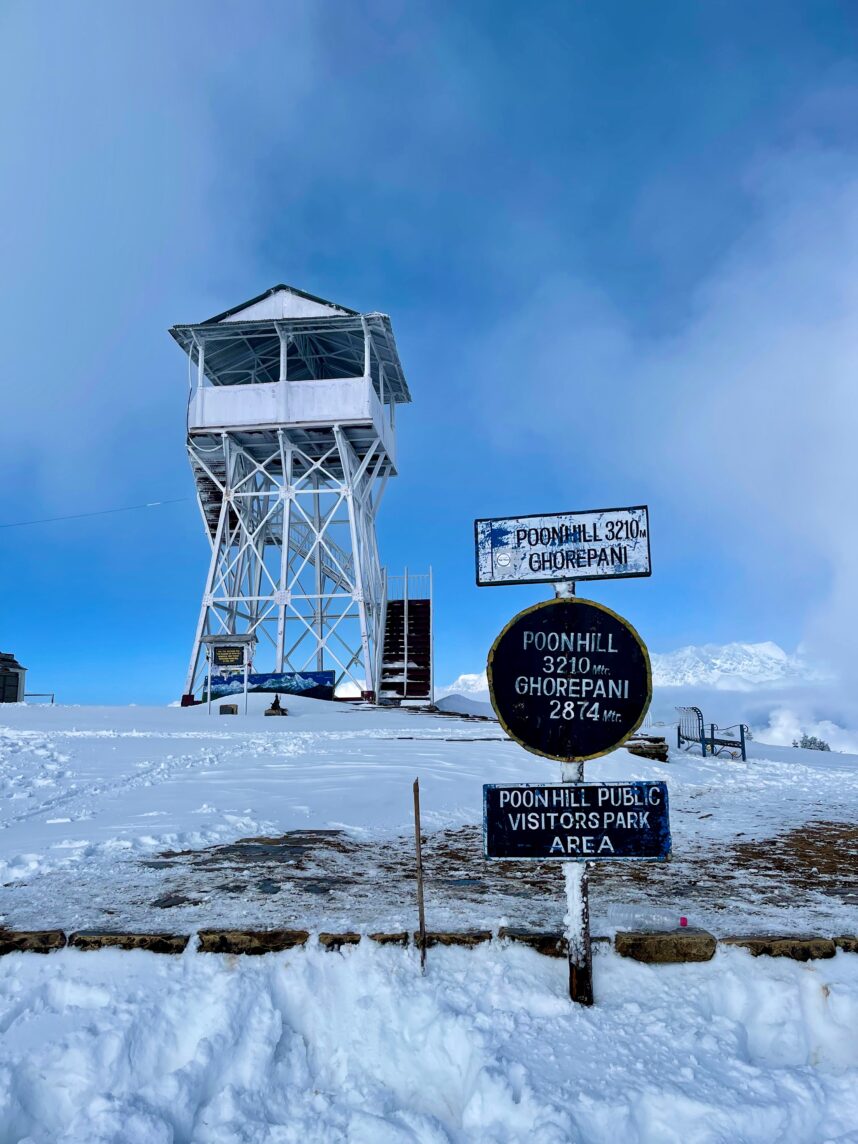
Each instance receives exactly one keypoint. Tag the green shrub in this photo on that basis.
(811, 743)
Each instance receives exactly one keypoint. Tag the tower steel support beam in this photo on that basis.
(294, 557)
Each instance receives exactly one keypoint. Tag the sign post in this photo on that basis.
(570, 680)
(579, 950)
(576, 876)
(230, 654)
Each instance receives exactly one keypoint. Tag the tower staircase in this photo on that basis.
(406, 665)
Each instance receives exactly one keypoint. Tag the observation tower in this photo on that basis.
(291, 439)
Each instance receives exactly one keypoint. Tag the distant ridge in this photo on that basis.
(741, 666)
(733, 666)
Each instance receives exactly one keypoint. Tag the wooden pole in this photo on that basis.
(419, 848)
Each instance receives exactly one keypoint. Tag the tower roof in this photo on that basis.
(280, 301)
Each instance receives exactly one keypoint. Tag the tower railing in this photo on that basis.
(410, 586)
(379, 643)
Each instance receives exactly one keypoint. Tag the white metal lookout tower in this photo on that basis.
(291, 441)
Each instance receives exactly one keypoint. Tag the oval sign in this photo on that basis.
(569, 679)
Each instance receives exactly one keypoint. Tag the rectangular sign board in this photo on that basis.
(579, 821)
(310, 684)
(228, 655)
(599, 544)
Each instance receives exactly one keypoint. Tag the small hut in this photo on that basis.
(11, 679)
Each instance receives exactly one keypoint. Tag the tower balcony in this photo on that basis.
(321, 403)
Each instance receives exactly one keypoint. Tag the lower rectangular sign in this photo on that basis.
(310, 684)
(578, 821)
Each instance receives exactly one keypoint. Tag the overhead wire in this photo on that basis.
(97, 512)
(103, 511)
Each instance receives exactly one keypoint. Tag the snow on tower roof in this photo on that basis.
(281, 301)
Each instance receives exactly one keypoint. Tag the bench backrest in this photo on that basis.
(690, 724)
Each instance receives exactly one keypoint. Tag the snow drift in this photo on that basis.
(133, 1048)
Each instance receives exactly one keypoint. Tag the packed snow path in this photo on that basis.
(169, 819)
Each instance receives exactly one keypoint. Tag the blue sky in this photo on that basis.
(618, 243)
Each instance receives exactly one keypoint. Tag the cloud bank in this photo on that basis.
(738, 422)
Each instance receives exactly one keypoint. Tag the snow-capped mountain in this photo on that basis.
(474, 685)
(737, 666)
(733, 666)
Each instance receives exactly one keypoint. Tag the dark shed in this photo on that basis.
(11, 679)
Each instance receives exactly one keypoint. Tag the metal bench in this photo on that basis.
(691, 730)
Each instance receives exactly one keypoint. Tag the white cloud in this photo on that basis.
(786, 725)
(743, 420)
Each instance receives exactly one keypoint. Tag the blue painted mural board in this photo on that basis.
(583, 822)
(310, 684)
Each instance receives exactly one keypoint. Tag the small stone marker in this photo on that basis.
(31, 941)
(661, 948)
(106, 939)
(228, 709)
(800, 947)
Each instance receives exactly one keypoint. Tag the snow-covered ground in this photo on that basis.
(130, 818)
(357, 1047)
(126, 818)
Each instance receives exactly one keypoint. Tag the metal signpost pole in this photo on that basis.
(246, 669)
(576, 877)
(209, 664)
(577, 919)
